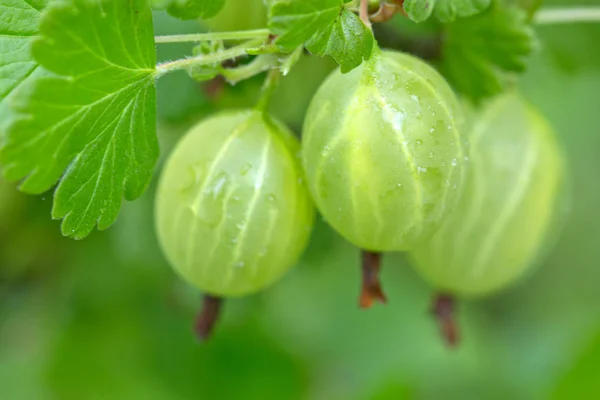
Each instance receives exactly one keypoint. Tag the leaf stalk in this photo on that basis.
(207, 59)
(205, 37)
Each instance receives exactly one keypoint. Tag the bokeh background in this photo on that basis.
(106, 318)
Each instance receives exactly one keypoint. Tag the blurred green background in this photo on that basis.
(106, 318)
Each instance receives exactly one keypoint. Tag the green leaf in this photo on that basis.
(445, 10)
(419, 10)
(347, 40)
(326, 27)
(450, 10)
(206, 72)
(297, 21)
(18, 26)
(93, 116)
(194, 9)
(480, 51)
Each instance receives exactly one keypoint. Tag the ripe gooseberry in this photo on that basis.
(506, 212)
(508, 205)
(232, 211)
(383, 153)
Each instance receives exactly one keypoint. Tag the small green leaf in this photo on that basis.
(445, 10)
(419, 10)
(194, 9)
(206, 72)
(326, 27)
(450, 10)
(93, 115)
(297, 21)
(480, 51)
(18, 26)
(347, 40)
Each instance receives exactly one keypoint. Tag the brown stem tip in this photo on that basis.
(371, 287)
(444, 307)
(208, 316)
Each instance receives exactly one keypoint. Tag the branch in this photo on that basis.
(548, 16)
(207, 59)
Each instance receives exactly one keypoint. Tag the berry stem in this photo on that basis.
(268, 88)
(208, 316)
(363, 13)
(207, 59)
(371, 287)
(444, 307)
(204, 37)
(547, 16)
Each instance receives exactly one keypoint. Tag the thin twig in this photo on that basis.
(207, 59)
(203, 37)
(570, 15)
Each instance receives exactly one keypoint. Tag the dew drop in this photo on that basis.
(444, 164)
(241, 225)
(432, 130)
(399, 185)
(421, 170)
(447, 183)
(271, 197)
(419, 142)
(454, 162)
(466, 158)
(325, 151)
(430, 154)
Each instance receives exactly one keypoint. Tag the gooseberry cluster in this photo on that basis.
(390, 161)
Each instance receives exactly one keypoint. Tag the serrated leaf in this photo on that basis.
(326, 27)
(94, 115)
(419, 10)
(347, 40)
(297, 21)
(480, 51)
(18, 26)
(450, 10)
(194, 9)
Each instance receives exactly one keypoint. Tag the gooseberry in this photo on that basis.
(232, 211)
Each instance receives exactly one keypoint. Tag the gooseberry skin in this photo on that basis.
(383, 152)
(232, 211)
(508, 209)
